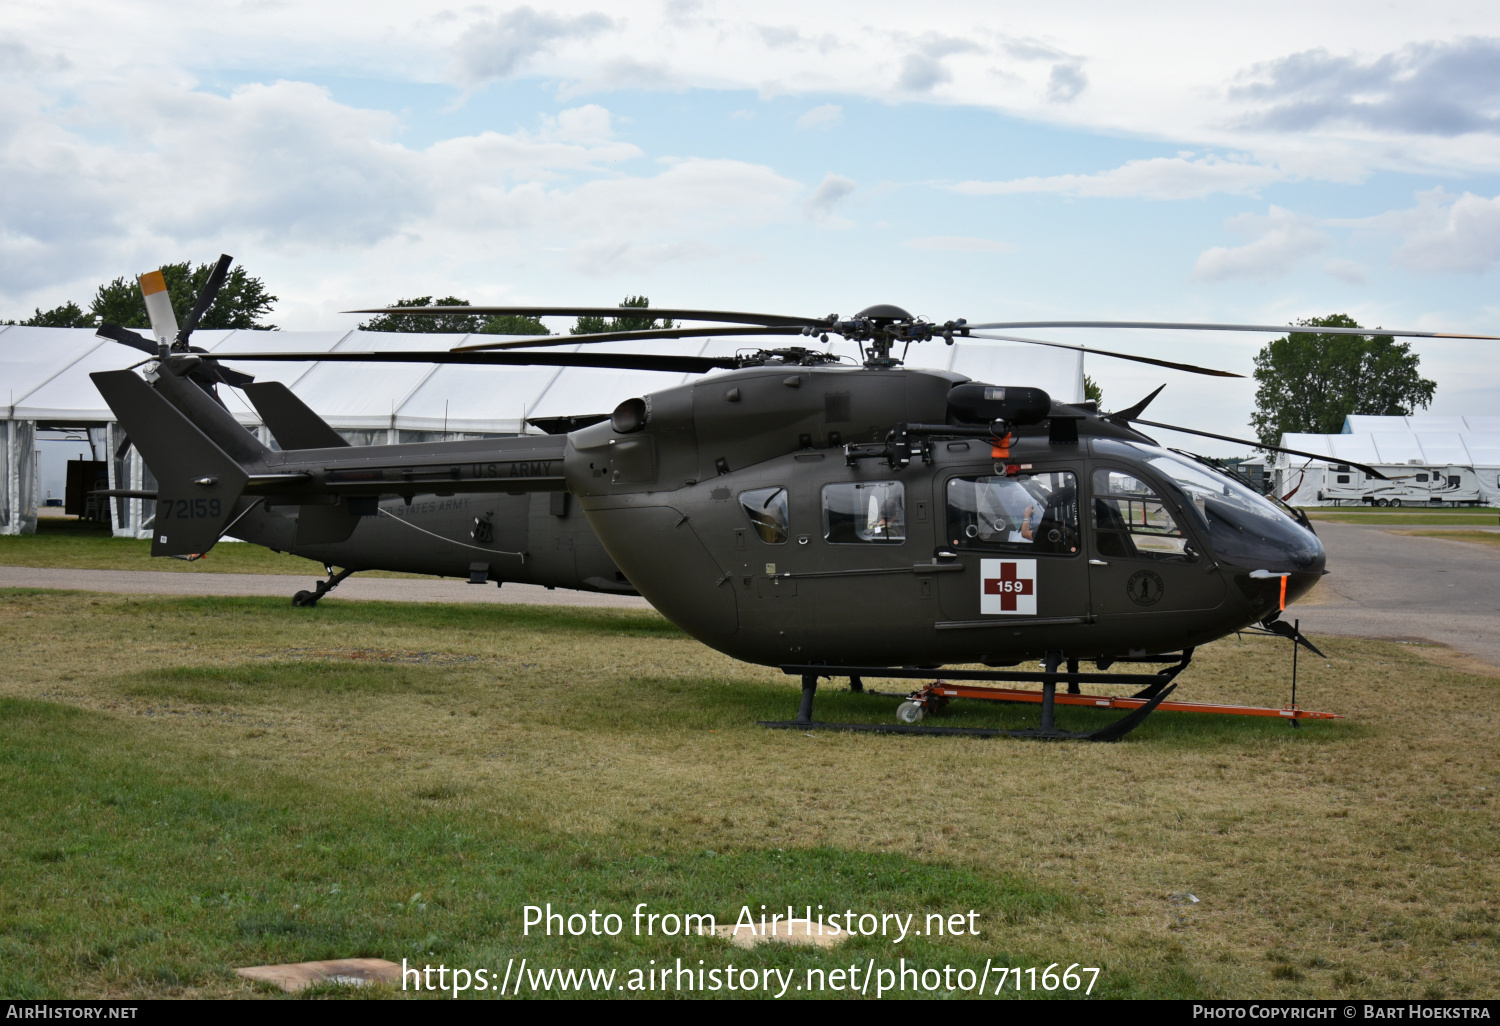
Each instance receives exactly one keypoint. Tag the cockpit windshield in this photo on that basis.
(1243, 527)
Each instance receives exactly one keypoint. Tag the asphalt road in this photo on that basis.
(1381, 585)
(1386, 585)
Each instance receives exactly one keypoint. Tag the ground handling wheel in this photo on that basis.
(1395, 502)
(1382, 502)
(304, 599)
(910, 712)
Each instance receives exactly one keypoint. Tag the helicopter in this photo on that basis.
(841, 519)
(525, 538)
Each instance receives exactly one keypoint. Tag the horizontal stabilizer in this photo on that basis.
(198, 484)
(292, 422)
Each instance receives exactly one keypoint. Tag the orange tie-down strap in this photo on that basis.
(947, 690)
(1000, 449)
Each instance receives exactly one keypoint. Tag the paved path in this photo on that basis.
(1382, 585)
(1385, 585)
(387, 589)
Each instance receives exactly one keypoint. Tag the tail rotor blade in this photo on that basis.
(205, 298)
(158, 306)
(125, 336)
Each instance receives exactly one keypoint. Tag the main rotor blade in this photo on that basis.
(611, 361)
(1301, 329)
(543, 341)
(206, 297)
(1269, 448)
(1190, 368)
(651, 313)
(125, 336)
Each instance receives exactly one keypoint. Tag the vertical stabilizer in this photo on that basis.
(198, 483)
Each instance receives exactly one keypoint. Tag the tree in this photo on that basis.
(514, 324)
(464, 324)
(66, 316)
(597, 325)
(1310, 381)
(1091, 390)
(241, 302)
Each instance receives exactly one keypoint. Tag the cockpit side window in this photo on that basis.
(767, 510)
(1020, 513)
(1132, 522)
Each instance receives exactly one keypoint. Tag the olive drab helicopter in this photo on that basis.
(839, 519)
(528, 538)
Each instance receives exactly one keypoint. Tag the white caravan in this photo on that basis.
(1412, 485)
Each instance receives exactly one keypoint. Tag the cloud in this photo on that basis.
(958, 244)
(1446, 233)
(1279, 240)
(1156, 178)
(833, 190)
(1435, 88)
(590, 123)
(284, 169)
(923, 69)
(1346, 271)
(825, 117)
(920, 73)
(1066, 82)
(497, 48)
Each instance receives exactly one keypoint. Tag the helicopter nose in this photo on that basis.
(1310, 567)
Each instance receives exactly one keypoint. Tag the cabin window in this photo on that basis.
(1024, 513)
(1452, 480)
(865, 513)
(767, 510)
(1343, 479)
(1132, 522)
(1422, 478)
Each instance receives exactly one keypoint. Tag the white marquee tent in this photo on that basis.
(44, 385)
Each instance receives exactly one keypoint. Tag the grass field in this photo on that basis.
(1476, 537)
(197, 784)
(79, 545)
(1476, 515)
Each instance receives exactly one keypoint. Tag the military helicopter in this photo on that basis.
(835, 519)
(525, 538)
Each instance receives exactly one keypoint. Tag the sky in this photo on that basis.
(988, 160)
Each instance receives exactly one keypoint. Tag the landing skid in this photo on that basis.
(1154, 689)
(1154, 695)
(310, 598)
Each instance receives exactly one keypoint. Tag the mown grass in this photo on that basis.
(440, 766)
(81, 545)
(1406, 515)
(1474, 537)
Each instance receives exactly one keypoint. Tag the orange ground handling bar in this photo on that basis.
(947, 690)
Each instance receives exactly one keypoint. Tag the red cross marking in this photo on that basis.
(1008, 586)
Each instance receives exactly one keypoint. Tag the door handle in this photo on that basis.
(1097, 562)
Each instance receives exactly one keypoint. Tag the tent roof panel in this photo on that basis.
(1484, 449)
(1394, 448)
(1440, 447)
(71, 395)
(30, 357)
(1307, 443)
(1363, 423)
(1360, 448)
(366, 396)
(254, 341)
(1429, 422)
